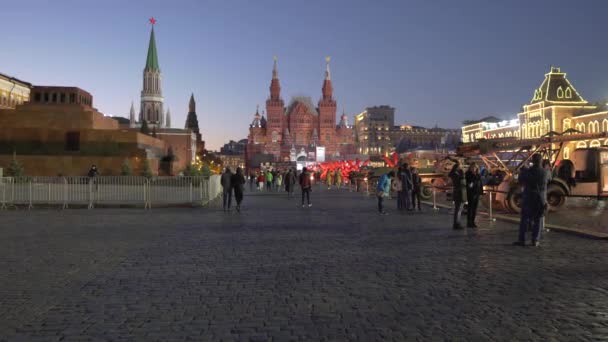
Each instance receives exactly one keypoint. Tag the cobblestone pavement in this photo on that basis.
(279, 272)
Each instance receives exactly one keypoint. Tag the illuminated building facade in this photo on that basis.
(13, 92)
(300, 129)
(556, 106)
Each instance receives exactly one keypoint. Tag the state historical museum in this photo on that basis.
(299, 131)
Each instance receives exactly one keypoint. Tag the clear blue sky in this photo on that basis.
(436, 61)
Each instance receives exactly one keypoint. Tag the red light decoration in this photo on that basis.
(345, 167)
(394, 162)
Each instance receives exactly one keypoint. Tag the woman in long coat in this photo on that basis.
(459, 193)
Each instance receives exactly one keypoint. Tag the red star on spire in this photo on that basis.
(152, 21)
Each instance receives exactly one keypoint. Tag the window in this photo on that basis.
(595, 143)
(62, 98)
(581, 144)
(37, 97)
(46, 97)
(566, 152)
(72, 98)
(54, 97)
(568, 93)
(560, 93)
(72, 141)
(566, 124)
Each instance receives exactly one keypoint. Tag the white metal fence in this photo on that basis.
(107, 191)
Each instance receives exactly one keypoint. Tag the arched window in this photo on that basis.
(546, 128)
(605, 125)
(580, 127)
(568, 93)
(524, 131)
(560, 93)
(566, 153)
(566, 124)
(501, 135)
(517, 133)
(594, 127)
(581, 144)
(595, 143)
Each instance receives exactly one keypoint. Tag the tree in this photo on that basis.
(146, 170)
(15, 169)
(126, 168)
(144, 127)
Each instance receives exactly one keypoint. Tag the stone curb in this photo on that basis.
(557, 228)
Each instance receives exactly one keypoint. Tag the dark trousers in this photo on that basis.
(227, 195)
(380, 204)
(415, 197)
(399, 200)
(306, 192)
(472, 210)
(269, 186)
(457, 212)
(405, 199)
(537, 223)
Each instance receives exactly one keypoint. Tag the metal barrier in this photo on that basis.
(110, 191)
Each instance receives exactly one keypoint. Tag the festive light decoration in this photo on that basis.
(345, 167)
(394, 162)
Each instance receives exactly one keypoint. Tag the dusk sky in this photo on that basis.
(437, 62)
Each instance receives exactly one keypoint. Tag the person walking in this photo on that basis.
(338, 178)
(474, 192)
(458, 193)
(279, 179)
(252, 181)
(383, 189)
(269, 179)
(534, 200)
(306, 185)
(238, 185)
(416, 189)
(329, 178)
(290, 182)
(92, 174)
(406, 186)
(261, 181)
(226, 180)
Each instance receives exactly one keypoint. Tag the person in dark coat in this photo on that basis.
(225, 180)
(458, 193)
(290, 182)
(306, 185)
(416, 188)
(474, 192)
(237, 181)
(406, 186)
(534, 200)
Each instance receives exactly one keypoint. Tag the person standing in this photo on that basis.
(261, 181)
(252, 181)
(534, 200)
(238, 185)
(290, 182)
(406, 186)
(269, 180)
(338, 178)
(458, 193)
(474, 192)
(225, 180)
(383, 189)
(306, 185)
(329, 178)
(397, 187)
(416, 188)
(279, 180)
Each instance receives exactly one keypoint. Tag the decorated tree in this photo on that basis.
(15, 169)
(126, 168)
(146, 170)
(144, 127)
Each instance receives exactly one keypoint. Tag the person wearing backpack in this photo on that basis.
(534, 200)
(383, 189)
(306, 185)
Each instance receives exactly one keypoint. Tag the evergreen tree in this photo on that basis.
(126, 168)
(146, 170)
(15, 169)
(144, 127)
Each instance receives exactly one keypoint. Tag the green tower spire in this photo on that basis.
(152, 60)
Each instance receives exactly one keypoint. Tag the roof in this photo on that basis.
(557, 88)
(16, 80)
(152, 60)
(305, 100)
